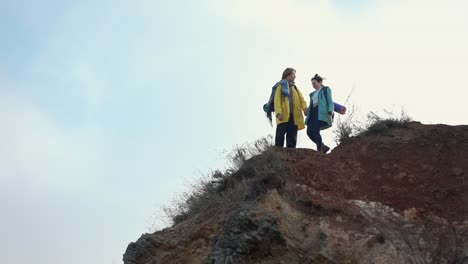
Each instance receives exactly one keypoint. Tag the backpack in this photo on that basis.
(269, 107)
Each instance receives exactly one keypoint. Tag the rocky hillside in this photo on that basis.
(399, 197)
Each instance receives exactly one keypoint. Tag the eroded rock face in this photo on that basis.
(367, 202)
(244, 234)
(144, 248)
(273, 230)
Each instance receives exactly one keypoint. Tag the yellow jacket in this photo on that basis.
(282, 107)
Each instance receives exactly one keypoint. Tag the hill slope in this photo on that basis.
(401, 197)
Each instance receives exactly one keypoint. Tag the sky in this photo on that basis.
(109, 109)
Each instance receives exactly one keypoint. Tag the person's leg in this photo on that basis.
(291, 135)
(324, 148)
(281, 130)
(318, 137)
(313, 129)
(310, 130)
(321, 124)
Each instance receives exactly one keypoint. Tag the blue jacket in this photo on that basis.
(324, 106)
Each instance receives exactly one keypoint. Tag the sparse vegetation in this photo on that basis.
(249, 175)
(243, 152)
(376, 124)
(346, 128)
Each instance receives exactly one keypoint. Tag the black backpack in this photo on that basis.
(269, 107)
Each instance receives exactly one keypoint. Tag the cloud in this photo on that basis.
(114, 57)
(396, 53)
(35, 153)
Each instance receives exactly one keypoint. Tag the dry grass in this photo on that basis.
(346, 127)
(249, 175)
(350, 127)
(380, 125)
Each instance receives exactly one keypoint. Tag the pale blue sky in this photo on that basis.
(109, 109)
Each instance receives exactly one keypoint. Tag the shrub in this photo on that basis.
(349, 127)
(346, 128)
(249, 175)
(379, 125)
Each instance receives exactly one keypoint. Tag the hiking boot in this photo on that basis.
(324, 149)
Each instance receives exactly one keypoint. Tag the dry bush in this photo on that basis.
(244, 152)
(249, 175)
(346, 127)
(380, 125)
(350, 127)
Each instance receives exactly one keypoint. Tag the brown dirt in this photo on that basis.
(422, 166)
(401, 197)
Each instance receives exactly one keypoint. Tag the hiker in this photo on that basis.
(320, 112)
(289, 106)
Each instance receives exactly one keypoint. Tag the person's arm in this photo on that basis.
(278, 108)
(302, 102)
(330, 104)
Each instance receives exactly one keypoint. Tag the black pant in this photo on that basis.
(290, 129)
(313, 128)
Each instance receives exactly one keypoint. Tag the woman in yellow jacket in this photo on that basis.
(289, 108)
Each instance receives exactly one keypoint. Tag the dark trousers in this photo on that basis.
(313, 128)
(288, 129)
